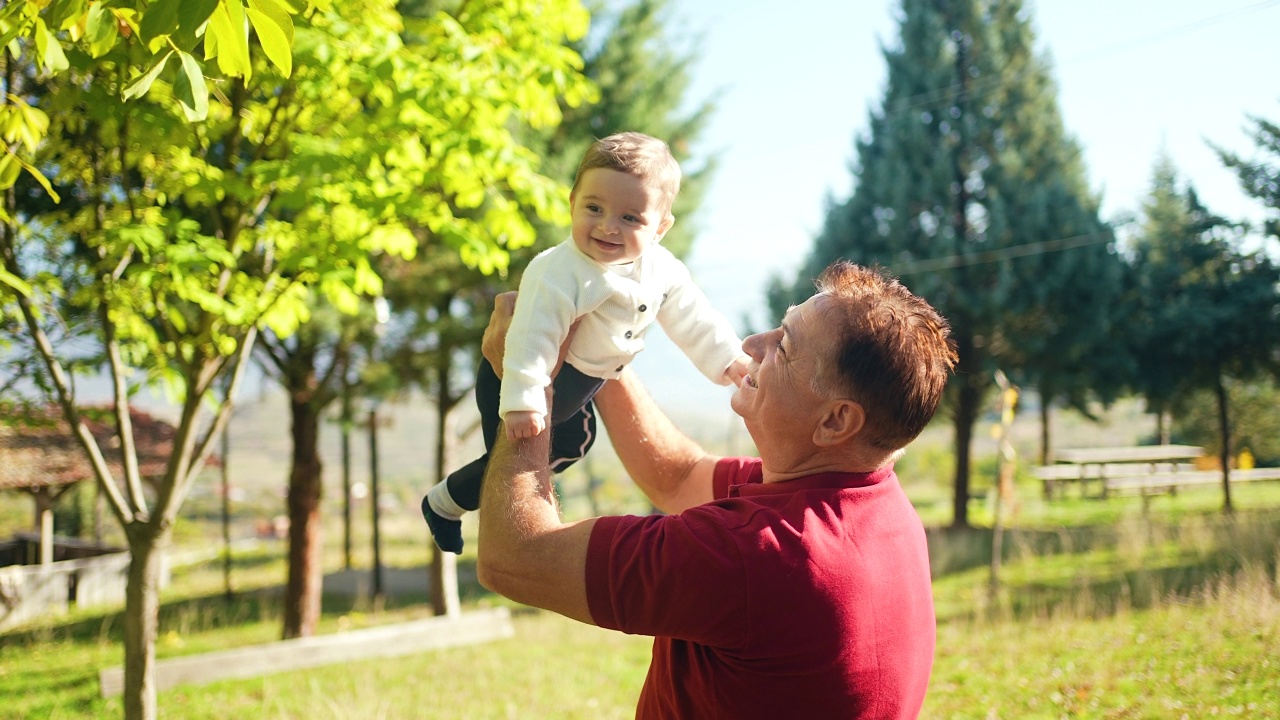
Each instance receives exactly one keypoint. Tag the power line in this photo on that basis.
(989, 256)
(985, 86)
(1171, 32)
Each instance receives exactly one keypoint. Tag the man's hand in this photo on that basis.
(494, 343)
(523, 424)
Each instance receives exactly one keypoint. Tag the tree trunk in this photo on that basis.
(1046, 448)
(1224, 430)
(966, 415)
(444, 566)
(141, 618)
(302, 592)
(968, 399)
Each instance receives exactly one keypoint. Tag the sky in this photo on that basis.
(794, 83)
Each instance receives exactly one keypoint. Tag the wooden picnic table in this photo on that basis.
(1107, 463)
(1139, 453)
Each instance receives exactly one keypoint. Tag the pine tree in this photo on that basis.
(1209, 310)
(1260, 177)
(970, 189)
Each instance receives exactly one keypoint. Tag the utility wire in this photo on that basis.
(1171, 32)
(989, 256)
(984, 86)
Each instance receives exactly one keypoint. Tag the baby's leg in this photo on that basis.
(573, 418)
(459, 493)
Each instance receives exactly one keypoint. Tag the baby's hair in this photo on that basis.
(643, 156)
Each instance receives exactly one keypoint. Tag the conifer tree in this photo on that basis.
(970, 189)
(1209, 310)
(1260, 175)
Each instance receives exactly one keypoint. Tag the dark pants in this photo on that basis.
(573, 427)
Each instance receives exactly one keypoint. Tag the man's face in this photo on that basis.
(616, 216)
(777, 399)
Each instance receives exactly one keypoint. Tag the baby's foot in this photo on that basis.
(447, 533)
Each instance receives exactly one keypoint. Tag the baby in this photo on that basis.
(615, 280)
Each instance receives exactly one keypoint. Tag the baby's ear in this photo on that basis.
(666, 225)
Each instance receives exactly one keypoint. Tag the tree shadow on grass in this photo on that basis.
(344, 592)
(1250, 535)
(1097, 571)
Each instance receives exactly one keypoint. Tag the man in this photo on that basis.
(793, 585)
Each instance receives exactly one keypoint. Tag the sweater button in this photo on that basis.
(618, 369)
(643, 308)
(628, 335)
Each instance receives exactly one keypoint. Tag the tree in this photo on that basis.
(93, 105)
(432, 134)
(428, 141)
(1210, 310)
(1255, 424)
(970, 189)
(1260, 177)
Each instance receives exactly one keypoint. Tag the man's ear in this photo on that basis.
(842, 421)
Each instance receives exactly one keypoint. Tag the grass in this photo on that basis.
(1102, 609)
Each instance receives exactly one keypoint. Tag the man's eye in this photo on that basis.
(781, 349)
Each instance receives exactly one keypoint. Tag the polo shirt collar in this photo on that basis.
(821, 481)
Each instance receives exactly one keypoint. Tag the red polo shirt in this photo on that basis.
(808, 598)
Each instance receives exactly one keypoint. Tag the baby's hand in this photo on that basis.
(523, 424)
(737, 370)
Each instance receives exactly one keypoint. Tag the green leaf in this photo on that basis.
(191, 90)
(275, 39)
(40, 178)
(64, 14)
(48, 49)
(160, 18)
(194, 13)
(101, 30)
(10, 168)
(279, 13)
(140, 86)
(192, 16)
(227, 27)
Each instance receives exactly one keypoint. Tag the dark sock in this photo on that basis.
(447, 533)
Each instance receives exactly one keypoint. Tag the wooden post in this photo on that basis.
(345, 425)
(44, 515)
(228, 593)
(378, 595)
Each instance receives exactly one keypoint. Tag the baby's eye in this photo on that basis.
(631, 218)
(593, 208)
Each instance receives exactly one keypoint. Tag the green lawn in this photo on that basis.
(1102, 610)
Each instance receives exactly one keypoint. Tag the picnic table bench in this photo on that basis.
(1105, 464)
(1146, 470)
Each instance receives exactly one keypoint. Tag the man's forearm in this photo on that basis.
(525, 552)
(672, 470)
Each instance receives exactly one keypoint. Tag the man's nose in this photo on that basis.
(754, 346)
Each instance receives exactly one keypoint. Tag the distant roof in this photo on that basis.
(37, 449)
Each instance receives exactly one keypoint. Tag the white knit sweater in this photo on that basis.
(617, 304)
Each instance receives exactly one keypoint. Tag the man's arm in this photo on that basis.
(525, 552)
(672, 470)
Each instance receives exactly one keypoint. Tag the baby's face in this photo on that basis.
(616, 216)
